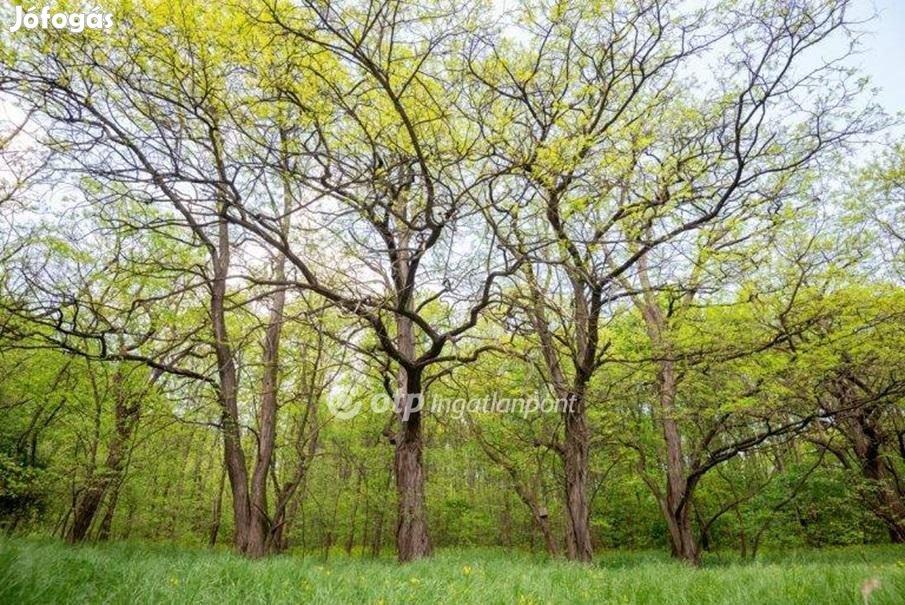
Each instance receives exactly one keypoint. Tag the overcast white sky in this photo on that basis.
(883, 56)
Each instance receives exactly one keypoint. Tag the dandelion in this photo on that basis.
(414, 580)
(174, 581)
(466, 571)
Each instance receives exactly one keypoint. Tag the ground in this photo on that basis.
(43, 571)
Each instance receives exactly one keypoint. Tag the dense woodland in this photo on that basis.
(223, 224)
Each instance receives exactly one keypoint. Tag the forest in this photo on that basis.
(533, 286)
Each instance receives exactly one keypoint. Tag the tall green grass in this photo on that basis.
(41, 571)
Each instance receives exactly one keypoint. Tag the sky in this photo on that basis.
(883, 52)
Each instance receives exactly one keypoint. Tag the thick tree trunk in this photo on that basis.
(575, 459)
(85, 510)
(412, 541)
(860, 425)
(681, 536)
(888, 504)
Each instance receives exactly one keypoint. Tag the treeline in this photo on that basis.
(230, 230)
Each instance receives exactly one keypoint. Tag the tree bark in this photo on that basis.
(576, 446)
(233, 456)
(259, 530)
(575, 459)
(412, 540)
(676, 503)
(106, 527)
(888, 504)
(261, 526)
(85, 511)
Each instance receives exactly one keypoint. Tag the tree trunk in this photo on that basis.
(259, 531)
(233, 456)
(543, 521)
(575, 460)
(126, 412)
(260, 525)
(893, 514)
(860, 425)
(682, 541)
(105, 530)
(676, 504)
(412, 541)
(888, 506)
(576, 447)
(287, 501)
(85, 511)
(678, 490)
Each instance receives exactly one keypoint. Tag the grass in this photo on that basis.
(43, 571)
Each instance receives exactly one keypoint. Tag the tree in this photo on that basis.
(156, 134)
(406, 172)
(610, 157)
(861, 383)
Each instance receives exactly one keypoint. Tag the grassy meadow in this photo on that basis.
(44, 571)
